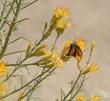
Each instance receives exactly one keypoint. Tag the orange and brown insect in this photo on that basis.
(75, 51)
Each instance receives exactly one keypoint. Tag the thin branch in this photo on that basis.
(29, 4)
(4, 8)
(71, 90)
(7, 15)
(14, 52)
(19, 39)
(15, 91)
(90, 55)
(10, 30)
(21, 20)
(33, 88)
(78, 88)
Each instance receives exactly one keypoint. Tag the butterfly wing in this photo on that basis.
(74, 50)
(71, 50)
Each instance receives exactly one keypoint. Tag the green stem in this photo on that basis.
(54, 43)
(90, 55)
(7, 15)
(78, 89)
(10, 74)
(15, 69)
(22, 64)
(72, 87)
(14, 52)
(42, 39)
(46, 35)
(4, 8)
(33, 88)
(29, 4)
(27, 57)
(10, 31)
(15, 91)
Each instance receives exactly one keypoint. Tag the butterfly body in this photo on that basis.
(75, 51)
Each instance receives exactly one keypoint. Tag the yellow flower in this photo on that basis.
(61, 12)
(94, 44)
(20, 95)
(93, 67)
(55, 58)
(67, 46)
(3, 69)
(90, 68)
(94, 98)
(62, 24)
(3, 88)
(40, 50)
(80, 98)
(81, 43)
(68, 43)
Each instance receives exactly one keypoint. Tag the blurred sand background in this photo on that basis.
(91, 19)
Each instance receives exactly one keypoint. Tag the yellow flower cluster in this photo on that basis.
(61, 12)
(59, 19)
(90, 68)
(68, 43)
(40, 50)
(93, 67)
(94, 98)
(63, 23)
(81, 43)
(3, 69)
(55, 58)
(91, 98)
(3, 88)
(80, 98)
